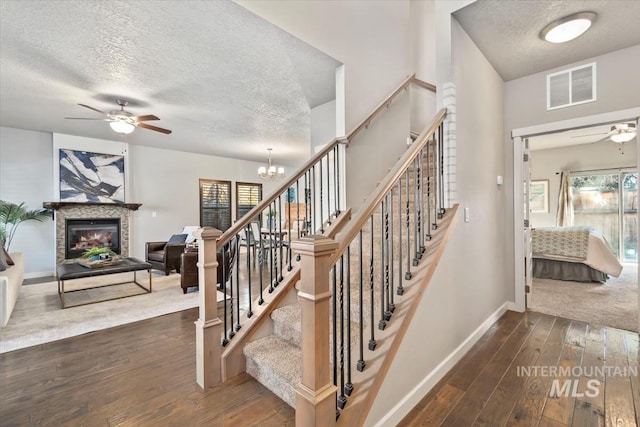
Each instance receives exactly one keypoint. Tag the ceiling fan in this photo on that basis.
(122, 121)
(620, 133)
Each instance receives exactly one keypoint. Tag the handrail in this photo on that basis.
(241, 223)
(358, 221)
(380, 107)
(424, 84)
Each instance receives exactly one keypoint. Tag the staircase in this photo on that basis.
(353, 289)
(276, 360)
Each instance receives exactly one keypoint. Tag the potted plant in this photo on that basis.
(271, 215)
(97, 253)
(12, 215)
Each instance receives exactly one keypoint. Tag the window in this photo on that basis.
(571, 87)
(601, 202)
(247, 196)
(215, 204)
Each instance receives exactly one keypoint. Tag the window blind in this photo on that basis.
(215, 204)
(247, 196)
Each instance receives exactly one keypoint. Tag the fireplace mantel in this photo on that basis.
(59, 205)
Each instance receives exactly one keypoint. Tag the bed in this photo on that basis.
(579, 254)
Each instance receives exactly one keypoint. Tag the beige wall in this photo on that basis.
(372, 40)
(599, 155)
(458, 300)
(26, 176)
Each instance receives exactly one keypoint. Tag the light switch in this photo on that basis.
(154, 214)
(466, 214)
(499, 180)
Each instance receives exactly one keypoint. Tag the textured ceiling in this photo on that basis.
(507, 32)
(225, 81)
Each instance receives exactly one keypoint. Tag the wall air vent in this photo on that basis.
(571, 87)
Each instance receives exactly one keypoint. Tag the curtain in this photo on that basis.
(564, 215)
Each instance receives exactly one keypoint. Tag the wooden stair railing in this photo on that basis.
(311, 208)
(427, 224)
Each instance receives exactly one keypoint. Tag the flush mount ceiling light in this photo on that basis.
(568, 28)
(270, 171)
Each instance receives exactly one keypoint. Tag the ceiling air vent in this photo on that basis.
(571, 87)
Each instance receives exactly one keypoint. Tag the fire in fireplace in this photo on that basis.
(83, 234)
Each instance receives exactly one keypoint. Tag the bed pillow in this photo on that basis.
(8, 258)
(176, 239)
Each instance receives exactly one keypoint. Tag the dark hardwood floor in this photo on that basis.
(143, 374)
(486, 387)
(140, 374)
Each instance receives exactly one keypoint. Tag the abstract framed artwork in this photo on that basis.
(91, 177)
(539, 196)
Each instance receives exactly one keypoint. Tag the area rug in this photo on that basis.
(613, 304)
(37, 317)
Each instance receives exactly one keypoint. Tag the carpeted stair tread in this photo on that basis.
(276, 364)
(287, 324)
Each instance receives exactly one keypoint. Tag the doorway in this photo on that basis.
(522, 258)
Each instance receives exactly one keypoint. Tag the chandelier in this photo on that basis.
(270, 171)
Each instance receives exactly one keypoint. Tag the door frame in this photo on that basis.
(518, 136)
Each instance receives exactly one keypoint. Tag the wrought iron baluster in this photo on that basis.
(260, 265)
(382, 323)
(328, 190)
(429, 184)
(278, 239)
(372, 341)
(337, 167)
(247, 231)
(232, 333)
(400, 289)
(236, 242)
(423, 224)
(390, 305)
(271, 252)
(334, 347)
(321, 206)
(342, 398)
(441, 142)
(416, 213)
(223, 285)
(408, 274)
(361, 363)
(348, 388)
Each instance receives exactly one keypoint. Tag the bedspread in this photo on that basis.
(599, 254)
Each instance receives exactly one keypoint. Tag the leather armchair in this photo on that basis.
(189, 269)
(164, 256)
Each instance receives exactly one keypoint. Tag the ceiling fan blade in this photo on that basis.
(157, 129)
(145, 118)
(94, 109)
(605, 138)
(86, 118)
(590, 134)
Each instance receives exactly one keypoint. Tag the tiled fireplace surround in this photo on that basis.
(91, 210)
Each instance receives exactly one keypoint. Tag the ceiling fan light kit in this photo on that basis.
(623, 133)
(121, 126)
(122, 121)
(568, 28)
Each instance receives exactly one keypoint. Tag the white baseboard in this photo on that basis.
(39, 274)
(512, 306)
(398, 412)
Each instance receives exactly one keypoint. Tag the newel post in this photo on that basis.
(208, 326)
(316, 394)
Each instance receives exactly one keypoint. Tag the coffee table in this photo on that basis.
(74, 270)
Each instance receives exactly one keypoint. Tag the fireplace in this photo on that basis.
(86, 233)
